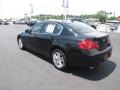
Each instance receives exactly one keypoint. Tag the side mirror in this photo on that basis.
(93, 26)
(27, 31)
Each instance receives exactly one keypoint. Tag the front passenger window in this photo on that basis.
(37, 28)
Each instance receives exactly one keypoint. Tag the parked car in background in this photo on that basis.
(32, 23)
(21, 21)
(113, 27)
(67, 43)
(6, 23)
(1, 21)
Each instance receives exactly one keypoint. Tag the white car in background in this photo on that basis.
(113, 27)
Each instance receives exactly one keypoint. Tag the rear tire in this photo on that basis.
(59, 59)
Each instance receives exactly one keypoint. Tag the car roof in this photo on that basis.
(62, 22)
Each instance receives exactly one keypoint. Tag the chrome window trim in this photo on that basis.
(50, 33)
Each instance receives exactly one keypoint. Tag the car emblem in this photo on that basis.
(103, 40)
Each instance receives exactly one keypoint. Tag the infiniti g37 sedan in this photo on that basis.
(67, 43)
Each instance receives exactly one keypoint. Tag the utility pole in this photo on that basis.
(65, 5)
(1, 12)
(31, 11)
(114, 14)
(45, 13)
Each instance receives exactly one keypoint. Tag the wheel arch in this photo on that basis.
(60, 48)
(18, 37)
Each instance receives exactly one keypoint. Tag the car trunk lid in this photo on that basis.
(102, 39)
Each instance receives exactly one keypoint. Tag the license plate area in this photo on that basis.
(103, 42)
(106, 56)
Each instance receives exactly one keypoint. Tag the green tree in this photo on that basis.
(113, 18)
(102, 16)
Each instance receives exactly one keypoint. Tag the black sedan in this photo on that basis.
(67, 43)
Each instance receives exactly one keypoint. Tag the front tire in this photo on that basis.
(20, 44)
(59, 59)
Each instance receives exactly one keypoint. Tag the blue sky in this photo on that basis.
(17, 8)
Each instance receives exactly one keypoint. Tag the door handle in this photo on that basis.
(52, 39)
(34, 34)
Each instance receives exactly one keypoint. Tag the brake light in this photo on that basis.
(88, 44)
(108, 40)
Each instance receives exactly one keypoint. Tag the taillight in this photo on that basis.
(88, 44)
(108, 41)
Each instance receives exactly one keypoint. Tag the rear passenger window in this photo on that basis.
(50, 28)
(57, 29)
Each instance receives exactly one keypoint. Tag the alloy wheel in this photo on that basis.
(59, 59)
(20, 43)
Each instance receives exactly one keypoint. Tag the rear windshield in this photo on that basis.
(79, 28)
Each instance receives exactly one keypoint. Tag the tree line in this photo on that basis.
(102, 16)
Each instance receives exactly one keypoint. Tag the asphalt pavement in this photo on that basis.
(26, 70)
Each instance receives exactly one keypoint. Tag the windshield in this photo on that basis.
(79, 28)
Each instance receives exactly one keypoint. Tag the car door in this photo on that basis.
(44, 39)
(33, 37)
(47, 36)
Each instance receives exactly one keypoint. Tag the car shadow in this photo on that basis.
(102, 71)
(39, 56)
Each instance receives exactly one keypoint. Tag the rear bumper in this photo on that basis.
(91, 58)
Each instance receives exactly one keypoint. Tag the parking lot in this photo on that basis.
(26, 70)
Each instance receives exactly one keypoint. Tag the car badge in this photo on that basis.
(103, 40)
